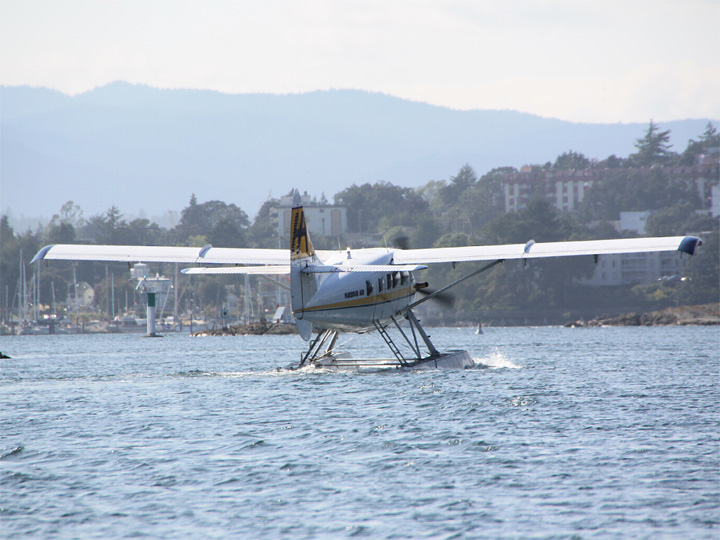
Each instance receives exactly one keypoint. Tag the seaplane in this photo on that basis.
(358, 290)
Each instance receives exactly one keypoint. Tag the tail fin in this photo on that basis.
(302, 286)
(300, 244)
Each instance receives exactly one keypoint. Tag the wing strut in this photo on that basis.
(414, 323)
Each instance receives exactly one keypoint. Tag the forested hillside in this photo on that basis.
(466, 208)
(145, 150)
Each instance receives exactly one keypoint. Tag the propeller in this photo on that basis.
(401, 242)
(445, 299)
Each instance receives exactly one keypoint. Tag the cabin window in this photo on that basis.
(396, 279)
(380, 285)
(404, 278)
(368, 288)
(388, 279)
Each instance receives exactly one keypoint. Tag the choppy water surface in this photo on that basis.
(560, 433)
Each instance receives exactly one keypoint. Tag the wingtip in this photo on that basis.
(689, 244)
(40, 255)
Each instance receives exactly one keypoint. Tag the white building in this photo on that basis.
(564, 189)
(321, 219)
(635, 268)
(634, 221)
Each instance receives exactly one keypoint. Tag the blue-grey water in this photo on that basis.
(559, 433)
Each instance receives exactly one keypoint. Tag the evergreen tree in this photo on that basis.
(636, 190)
(225, 225)
(571, 161)
(485, 200)
(368, 204)
(263, 233)
(61, 233)
(106, 228)
(653, 148)
(709, 139)
(458, 185)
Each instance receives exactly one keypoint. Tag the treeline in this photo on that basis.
(464, 209)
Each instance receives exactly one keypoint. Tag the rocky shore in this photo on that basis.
(254, 329)
(704, 315)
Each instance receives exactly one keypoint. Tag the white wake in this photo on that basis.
(496, 360)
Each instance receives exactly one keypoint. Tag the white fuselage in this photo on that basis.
(355, 300)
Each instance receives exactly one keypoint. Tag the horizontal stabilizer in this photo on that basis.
(305, 329)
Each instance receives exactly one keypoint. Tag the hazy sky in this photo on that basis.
(581, 60)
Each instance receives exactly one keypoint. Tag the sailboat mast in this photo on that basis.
(23, 299)
(176, 293)
(37, 293)
(54, 306)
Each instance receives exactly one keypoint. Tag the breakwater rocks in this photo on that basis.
(707, 314)
(252, 329)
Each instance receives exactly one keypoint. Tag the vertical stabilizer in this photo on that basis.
(301, 247)
(302, 254)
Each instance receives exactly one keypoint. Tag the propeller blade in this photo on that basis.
(401, 242)
(444, 298)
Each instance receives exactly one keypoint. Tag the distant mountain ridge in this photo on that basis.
(138, 147)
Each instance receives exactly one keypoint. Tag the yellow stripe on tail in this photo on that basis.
(300, 245)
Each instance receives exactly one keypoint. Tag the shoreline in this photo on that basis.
(251, 329)
(700, 315)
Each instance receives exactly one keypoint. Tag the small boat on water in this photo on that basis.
(127, 323)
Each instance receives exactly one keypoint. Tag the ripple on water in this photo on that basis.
(611, 437)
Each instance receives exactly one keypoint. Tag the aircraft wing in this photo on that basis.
(532, 250)
(267, 259)
(186, 255)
